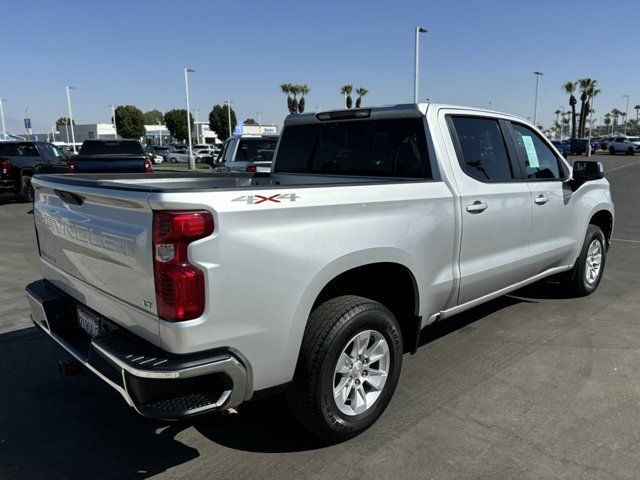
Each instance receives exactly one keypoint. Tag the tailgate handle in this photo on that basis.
(68, 197)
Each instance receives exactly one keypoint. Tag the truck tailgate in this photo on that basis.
(99, 236)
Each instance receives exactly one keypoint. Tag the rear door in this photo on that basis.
(555, 223)
(496, 207)
(55, 161)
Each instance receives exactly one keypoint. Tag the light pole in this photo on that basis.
(73, 135)
(626, 113)
(419, 30)
(187, 71)
(4, 130)
(197, 126)
(591, 109)
(53, 132)
(113, 120)
(535, 104)
(229, 102)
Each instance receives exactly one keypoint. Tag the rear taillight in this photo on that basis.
(71, 165)
(147, 165)
(179, 285)
(252, 169)
(6, 166)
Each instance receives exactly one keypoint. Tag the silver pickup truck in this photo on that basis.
(190, 294)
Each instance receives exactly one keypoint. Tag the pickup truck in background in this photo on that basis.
(20, 161)
(111, 156)
(191, 294)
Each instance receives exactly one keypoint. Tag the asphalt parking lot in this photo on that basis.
(527, 386)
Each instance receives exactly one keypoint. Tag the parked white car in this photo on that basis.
(627, 145)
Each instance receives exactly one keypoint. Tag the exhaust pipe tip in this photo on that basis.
(68, 368)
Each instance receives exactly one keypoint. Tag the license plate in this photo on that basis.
(88, 322)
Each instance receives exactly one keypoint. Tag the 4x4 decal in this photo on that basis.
(257, 199)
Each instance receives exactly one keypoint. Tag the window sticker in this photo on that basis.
(532, 155)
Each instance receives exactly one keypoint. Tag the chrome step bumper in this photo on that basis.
(155, 383)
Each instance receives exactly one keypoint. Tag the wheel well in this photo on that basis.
(604, 220)
(391, 284)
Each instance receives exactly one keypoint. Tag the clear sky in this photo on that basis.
(476, 52)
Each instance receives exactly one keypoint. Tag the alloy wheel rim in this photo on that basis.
(594, 262)
(361, 372)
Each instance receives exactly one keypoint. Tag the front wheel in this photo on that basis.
(630, 151)
(348, 368)
(585, 276)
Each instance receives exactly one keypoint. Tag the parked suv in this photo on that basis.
(247, 153)
(19, 161)
(627, 145)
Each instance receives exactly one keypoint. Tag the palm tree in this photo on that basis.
(361, 93)
(607, 120)
(570, 88)
(615, 113)
(557, 113)
(304, 90)
(346, 91)
(286, 88)
(637, 109)
(586, 85)
(633, 126)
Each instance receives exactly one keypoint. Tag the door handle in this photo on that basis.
(477, 207)
(541, 200)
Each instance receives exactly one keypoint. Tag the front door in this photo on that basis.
(496, 208)
(555, 223)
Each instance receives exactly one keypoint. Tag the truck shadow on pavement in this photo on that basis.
(78, 427)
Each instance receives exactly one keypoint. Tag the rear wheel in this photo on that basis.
(585, 276)
(26, 189)
(348, 368)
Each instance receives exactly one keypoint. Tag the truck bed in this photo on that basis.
(177, 182)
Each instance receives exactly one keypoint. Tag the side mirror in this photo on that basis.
(586, 171)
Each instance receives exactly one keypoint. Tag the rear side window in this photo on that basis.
(484, 155)
(386, 148)
(256, 149)
(535, 155)
(17, 149)
(112, 148)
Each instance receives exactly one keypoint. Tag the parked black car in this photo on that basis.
(111, 156)
(19, 161)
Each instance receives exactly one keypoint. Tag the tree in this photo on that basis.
(570, 88)
(62, 121)
(293, 90)
(304, 90)
(153, 117)
(361, 93)
(176, 122)
(250, 121)
(346, 92)
(637, 109)
(219, 121)
(129, 122)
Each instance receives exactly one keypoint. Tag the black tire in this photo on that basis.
(331, 327)
(173, 160)
(575, 281)
(612, 151)
(26, 189)
(630, 151)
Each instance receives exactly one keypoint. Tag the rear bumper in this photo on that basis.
(155, 383)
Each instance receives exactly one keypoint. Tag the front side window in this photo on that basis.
(484, 155)
(534, 154)
(388, 148)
